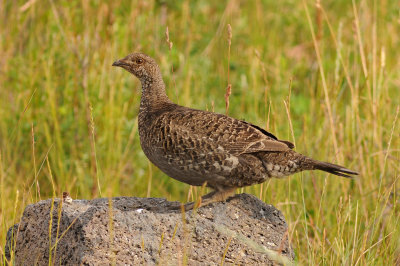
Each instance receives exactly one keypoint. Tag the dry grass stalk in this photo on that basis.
(96, 182)
(264, 76)
(34, 163)
(229, 87)
(170, 44)
(318, 19)
(227, 94)
(324, 83)
(26, 6)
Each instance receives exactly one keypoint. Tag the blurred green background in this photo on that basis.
(69, 119)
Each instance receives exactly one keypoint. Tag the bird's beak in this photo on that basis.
(120, 63)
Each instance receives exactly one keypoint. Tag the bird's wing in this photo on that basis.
(234, 136)
(288, 143)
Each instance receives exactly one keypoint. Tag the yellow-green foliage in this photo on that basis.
(325, 77)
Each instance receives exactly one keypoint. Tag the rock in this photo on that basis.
(138, 231)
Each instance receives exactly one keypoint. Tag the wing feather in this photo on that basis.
(234, 136)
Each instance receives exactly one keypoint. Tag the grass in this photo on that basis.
(323, 75)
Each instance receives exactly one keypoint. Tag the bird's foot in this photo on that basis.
(212, 197)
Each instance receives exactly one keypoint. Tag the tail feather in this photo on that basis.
(334, 169)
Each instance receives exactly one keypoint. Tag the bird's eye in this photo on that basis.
(139, 61)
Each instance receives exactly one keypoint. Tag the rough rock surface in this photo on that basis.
(138, 231)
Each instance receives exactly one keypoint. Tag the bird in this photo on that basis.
(205, 148)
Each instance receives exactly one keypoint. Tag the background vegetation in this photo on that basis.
(323, 75)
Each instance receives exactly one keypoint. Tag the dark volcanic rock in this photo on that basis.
(143, 231)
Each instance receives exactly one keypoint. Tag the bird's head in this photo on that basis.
(142, 66)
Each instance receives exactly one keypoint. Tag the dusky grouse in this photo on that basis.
(198, 147)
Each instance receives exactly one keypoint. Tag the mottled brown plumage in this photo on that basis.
(196, 146)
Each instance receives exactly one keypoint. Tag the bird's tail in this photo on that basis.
(334, 169)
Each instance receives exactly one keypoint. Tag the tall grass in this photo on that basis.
(323, 74)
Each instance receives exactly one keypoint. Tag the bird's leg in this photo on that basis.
(212, 197)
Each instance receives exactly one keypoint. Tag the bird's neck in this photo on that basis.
(154, 96)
